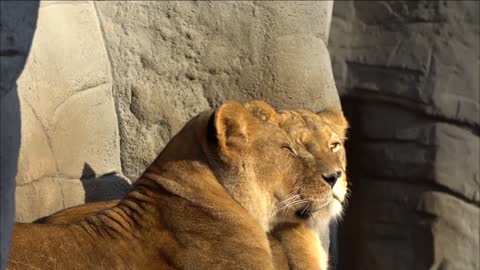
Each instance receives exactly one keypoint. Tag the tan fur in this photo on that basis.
(76, 213)
(294, 245)
(205, 203)
(301, 246)
(317, 133)
(314, 136)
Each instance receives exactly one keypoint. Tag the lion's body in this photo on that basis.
(76, 213)
(153, 232)
(197, 206)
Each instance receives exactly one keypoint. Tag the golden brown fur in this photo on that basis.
(296, 243)
(205, 203)
(317, 138)
(76, 213)
(321, 136)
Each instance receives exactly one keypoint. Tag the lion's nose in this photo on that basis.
(332, 178)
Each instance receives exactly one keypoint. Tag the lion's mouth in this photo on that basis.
(308, 209)
(305, 212)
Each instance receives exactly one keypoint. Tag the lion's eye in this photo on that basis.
(335, 146)
(290, 149)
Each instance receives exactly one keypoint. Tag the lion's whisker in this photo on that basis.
(289, 205)
(285, 202)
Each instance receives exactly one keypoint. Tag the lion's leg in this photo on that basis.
(302, 247)
(280, 260)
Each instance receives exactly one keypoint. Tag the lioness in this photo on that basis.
(323, 134)
(205, 203)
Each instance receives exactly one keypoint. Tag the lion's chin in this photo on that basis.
(335, 208)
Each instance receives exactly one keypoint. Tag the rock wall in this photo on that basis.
(176, 59)
(92, 91)
(69, 130)
(408, 75)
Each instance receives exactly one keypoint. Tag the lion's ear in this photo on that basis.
(262, 110)
(335, 118)
(234, 126)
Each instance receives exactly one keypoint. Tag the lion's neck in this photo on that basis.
(196, 182)
(252, 198)
(244, 187)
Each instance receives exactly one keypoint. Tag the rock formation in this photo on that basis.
(408, 75)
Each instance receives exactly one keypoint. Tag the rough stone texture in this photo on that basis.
(452, 231)
(408, 72)
(196, 55)
(403, 226)
(419, 148)
(69, 128)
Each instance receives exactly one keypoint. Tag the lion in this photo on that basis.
(323, 135)
(294, 245)
(204, 203)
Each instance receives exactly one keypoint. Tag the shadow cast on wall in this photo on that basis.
(17, 26)
(102, 188)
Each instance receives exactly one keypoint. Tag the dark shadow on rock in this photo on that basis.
(348, 236)
(18, 20)
(333, 247)
(103, 188)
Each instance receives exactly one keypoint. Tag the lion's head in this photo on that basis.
(268, 160)
(319, 138)
(315, 142)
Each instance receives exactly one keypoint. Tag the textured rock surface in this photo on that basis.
(408, 76)
(68, 119)
(195, 55)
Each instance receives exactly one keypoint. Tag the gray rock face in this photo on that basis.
(195, 55)
(408, 76)
(67, 117)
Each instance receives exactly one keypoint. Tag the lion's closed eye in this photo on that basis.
(290, 149)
